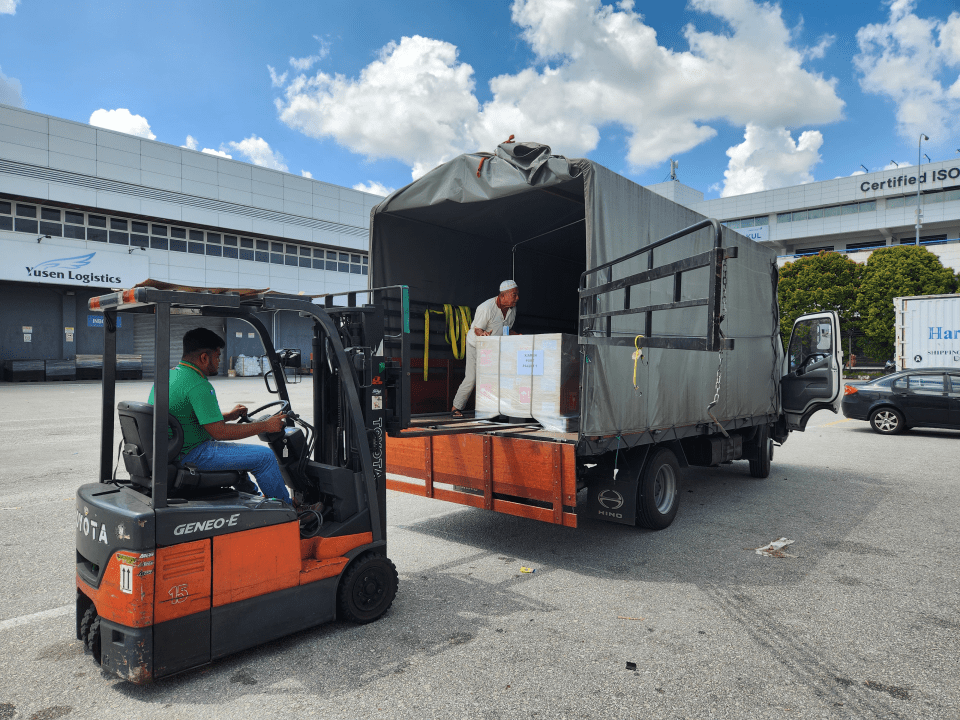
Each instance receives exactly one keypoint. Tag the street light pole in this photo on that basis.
(919, 168)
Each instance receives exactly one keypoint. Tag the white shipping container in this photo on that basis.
(927, 331)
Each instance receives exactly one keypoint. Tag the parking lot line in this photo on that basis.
(836, 422)
(35, 617)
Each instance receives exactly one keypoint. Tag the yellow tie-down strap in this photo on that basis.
(458, 320)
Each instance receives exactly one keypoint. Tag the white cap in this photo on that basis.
(507, 285)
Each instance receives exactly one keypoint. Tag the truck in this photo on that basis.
(676, 321)
(927, 331)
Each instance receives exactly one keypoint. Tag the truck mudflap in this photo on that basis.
(526, 477)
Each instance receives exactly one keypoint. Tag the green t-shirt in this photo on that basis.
(193, 402)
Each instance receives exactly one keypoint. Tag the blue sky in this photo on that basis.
(746, 96)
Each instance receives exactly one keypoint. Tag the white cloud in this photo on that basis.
(11, 91)
(305, 63)
(769, 158)
(192, 144)
(122, 120)
(257, 151)
(913, 61)
(374, 188)
(8, 7)
(306, 174)
(276, 80)
(596, 65)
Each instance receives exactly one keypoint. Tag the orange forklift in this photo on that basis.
(177, 567)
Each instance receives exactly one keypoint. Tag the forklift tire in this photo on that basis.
(367, 589)
(658, 496)
(90, 632)
(763, 455)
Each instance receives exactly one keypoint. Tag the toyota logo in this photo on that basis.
(610, 499)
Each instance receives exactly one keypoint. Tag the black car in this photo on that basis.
(910, 398)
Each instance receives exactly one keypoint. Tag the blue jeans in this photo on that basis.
(214, 456)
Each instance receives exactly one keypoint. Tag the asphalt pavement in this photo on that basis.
(860, 619)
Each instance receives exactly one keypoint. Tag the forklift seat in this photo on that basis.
(136, 422)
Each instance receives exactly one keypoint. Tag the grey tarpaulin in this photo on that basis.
(543, 219)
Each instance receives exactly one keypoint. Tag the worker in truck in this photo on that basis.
(193, 401)
(491, 318)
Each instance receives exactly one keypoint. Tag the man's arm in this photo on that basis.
(221, 431)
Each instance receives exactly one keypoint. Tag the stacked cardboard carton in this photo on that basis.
(530, 376)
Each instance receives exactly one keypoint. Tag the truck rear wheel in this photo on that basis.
(658, 496)
(90, 632)
(763, 456)
(368, 588)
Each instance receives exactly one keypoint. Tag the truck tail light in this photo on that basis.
(849, 390)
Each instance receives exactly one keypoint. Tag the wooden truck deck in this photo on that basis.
(528, 472)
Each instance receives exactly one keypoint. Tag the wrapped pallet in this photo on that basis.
(488, 377)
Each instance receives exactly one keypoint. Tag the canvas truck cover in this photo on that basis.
(457, 232)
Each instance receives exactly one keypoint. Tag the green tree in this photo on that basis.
(898, 271)
(825, 281)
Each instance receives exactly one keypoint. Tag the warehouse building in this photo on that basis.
(853, 215)
(84, 210)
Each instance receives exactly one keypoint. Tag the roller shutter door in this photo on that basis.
(143, 337)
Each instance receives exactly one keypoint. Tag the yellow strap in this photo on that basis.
(637, 355)
(458, 320)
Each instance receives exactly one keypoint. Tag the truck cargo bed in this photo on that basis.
(531, 476)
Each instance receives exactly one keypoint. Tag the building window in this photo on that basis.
(230, 240)
(263, 245)
(139, 240)
(196, 235)
(214, 250)
(119, 238)
(116, 224)
(213, 238)
(178, 245)
(848, 209)
(869, 245)
(290, 260)
(925, 240)
(96, 221)
(74, 218)
(27, 226)
(195, 248)
(160, 230)
(276, 258)
(5, 207)
(26, 211)
(304, 262)
(158, 243)
(178, 233)
(797, 216)
(784, 217)
(49, 214)
(229, 252)
(262, 256)
(49, 228)
(868, 206)
(246, 254)
(75, 231)
(344, 264)
(6, 222)
(304, 250)
(814, 214)
(331, 261)
(831, 211)
(246, 243)
(96, 234)
(814, 250)
(951, 195)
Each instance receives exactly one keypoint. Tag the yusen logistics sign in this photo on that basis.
(65, 265)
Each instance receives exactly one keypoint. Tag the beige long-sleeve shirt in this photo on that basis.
(490, 318)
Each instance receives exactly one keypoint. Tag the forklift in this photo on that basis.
(177, 567)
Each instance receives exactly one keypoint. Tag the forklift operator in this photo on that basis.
(193, 401)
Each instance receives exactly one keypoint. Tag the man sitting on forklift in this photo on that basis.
(193, 401)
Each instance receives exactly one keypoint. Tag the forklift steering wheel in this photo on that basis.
(284, 409)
